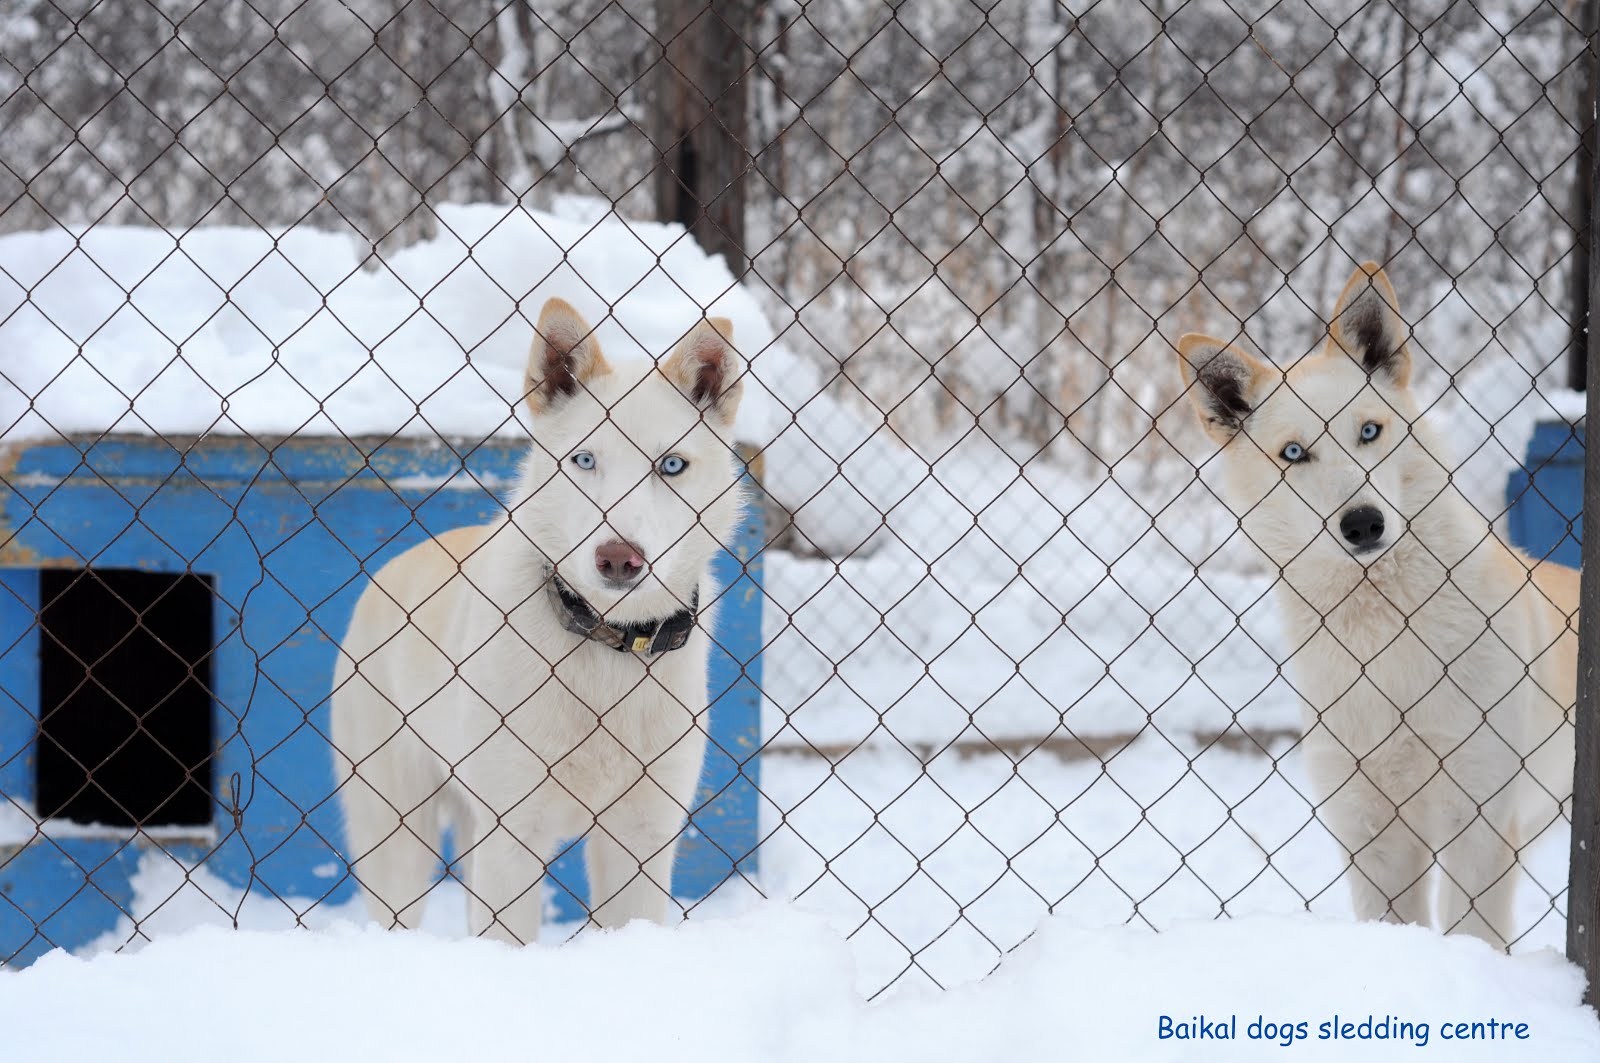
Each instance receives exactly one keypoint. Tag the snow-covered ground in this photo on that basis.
(994, 691)
(934, 869)
(775, 985)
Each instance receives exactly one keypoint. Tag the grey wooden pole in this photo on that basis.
(1583, 211)
(1583, 888)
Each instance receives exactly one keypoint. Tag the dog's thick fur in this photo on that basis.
(461, 701)
(1437, 666)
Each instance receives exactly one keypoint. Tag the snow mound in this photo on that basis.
(777, 985)
(238, 331)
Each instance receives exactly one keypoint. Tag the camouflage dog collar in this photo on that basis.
(645, 637)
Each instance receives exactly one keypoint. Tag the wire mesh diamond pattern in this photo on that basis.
(1021, 615)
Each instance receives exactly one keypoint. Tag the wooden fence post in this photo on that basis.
(1583, 889)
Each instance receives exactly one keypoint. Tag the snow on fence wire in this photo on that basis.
(993, 645)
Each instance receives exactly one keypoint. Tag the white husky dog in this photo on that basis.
(543, 676)
(1436, 664)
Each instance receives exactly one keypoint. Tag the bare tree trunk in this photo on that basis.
(1052, 226)
(772, 122)
(1399, 230)
(699, 121)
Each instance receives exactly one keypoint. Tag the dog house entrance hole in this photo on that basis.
(125, 729)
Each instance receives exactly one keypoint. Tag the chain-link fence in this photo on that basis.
(1035, 607)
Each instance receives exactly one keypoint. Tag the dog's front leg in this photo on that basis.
(1388, 859)
(1482, 837)
(505, 869)
(633, 843)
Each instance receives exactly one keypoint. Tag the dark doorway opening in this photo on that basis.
(126, 728)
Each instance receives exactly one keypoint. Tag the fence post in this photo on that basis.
(1583, 887)
(1583, 188)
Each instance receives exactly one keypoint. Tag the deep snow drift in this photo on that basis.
(776, 985)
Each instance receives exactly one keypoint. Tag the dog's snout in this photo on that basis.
(619, 561)
(1362, 527)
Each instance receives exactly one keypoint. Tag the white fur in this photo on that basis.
(460, 701)
(1437, 672)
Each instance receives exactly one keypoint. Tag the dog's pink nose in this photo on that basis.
(619, 561)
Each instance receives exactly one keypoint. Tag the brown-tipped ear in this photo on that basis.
(565, 356)
(1224, 383)
(707, 369)
(1368, 326)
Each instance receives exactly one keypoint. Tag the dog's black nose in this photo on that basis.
(1362, 527)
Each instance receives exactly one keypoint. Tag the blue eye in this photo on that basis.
(583, 459)
(1370, 431)
(672, 465)
(1292, 453)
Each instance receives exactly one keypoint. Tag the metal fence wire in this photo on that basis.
(1036, 607)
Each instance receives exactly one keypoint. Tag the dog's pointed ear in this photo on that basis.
(1367, 325)
(565, 356)
(707, 369)
(1224, 383)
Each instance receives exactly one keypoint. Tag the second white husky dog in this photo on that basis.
(543, 677)
(1437, 665)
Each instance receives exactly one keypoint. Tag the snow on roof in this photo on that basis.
(270, 333)
(240, 331)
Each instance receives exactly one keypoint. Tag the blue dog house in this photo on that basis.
(169, 616)
(1544, 498)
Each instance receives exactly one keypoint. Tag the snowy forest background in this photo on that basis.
(959, 211)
